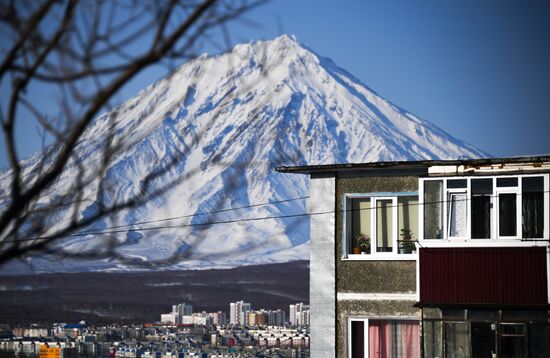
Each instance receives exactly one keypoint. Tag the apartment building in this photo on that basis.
(445, 258)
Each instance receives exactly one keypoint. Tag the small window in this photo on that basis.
(382, 224)
(457, 183)
(507, 182)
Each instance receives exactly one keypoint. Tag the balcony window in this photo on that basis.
(381, 224)
(507, 207)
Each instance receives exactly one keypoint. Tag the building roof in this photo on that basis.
(419, 164)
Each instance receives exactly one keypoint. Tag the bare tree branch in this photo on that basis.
(89, 58)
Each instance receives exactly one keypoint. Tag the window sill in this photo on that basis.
(484, 243)
(381, 257)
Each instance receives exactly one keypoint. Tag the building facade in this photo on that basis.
(430, 258)
(238, 312)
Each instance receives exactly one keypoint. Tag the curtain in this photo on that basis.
(532, 213)
(393, 339)
(457, 209)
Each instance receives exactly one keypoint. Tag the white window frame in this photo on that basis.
(365, 334)
(373, 255)
(508, 190)
(374, 225)
(495, 239)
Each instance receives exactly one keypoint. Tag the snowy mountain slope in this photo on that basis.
(231, 119)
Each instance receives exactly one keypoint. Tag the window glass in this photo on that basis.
(384, 226)
(457, 339)
(429, 312)
(407, 222)
(525, 315)
(433, 213)
(457, 214)
(512, 340)
(357, 339)
(539, 344)
(507, 214)
(432, 333)
(457, 183)
(454, 314)
(482, 186)
(507, 182)
(532, 207)
(482, 189)
(360, 221)
(483, 339)
(483, 315)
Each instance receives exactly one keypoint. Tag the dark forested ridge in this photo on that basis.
(105, 297)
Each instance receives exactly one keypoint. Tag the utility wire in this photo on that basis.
(194, 215)
(109, 231)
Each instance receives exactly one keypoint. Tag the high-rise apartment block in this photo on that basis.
(238, 311)
(299, 314)
(177, 314)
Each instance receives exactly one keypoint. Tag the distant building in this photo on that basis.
(169, 318)
(178, 311)
(183, 309)
(276, 318)
(257, 319)
(237, 312)
(218, 318)
(299, 314)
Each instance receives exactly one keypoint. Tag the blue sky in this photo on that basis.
(480, 70)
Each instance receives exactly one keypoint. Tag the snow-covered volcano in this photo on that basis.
(231, 119)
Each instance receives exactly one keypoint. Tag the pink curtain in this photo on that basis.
(374, 339)
(394, 339)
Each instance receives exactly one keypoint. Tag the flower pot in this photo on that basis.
(357, 250)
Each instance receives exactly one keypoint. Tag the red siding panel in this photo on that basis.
(505, 275)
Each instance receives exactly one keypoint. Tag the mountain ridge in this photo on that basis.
(231, 119)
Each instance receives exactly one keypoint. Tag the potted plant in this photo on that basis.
(363, 241)
(407, 243)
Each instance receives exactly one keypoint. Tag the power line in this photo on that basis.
(273, 217)
(196, 214)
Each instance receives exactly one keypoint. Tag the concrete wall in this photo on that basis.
(371, 288)
(322, 267)
(370, 276)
